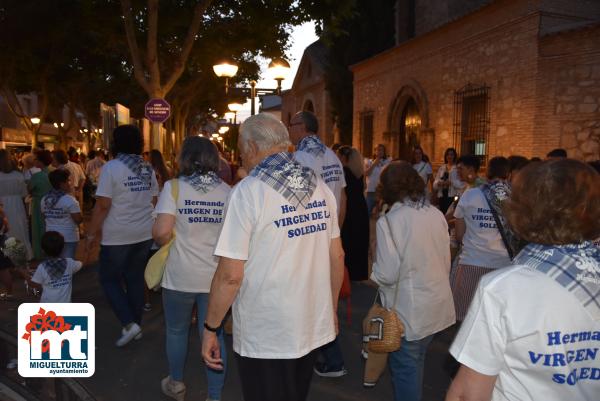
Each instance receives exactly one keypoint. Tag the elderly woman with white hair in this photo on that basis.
(191, 208)
(282, 264)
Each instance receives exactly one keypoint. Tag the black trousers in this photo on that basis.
(276, 379)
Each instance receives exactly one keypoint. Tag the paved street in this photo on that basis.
(134, 372)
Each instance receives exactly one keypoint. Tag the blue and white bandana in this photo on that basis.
(55, 267)
(285, 175)
(312, 145)
(418, 204)
(137, 165)
(202, 183)
(576, 267)
(52, 198)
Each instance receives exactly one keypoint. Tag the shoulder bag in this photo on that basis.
(382, 327)
(157, 263)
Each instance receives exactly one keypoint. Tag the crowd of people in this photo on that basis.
(506, 260)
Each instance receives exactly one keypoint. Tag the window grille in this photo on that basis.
(472, 120)
(366, 133)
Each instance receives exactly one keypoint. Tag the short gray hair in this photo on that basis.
(265, 130)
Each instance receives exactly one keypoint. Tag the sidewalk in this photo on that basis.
(134, 372)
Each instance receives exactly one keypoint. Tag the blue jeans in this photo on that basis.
(406, 367)
(69, 250)
(371, 202)
(124, 264)
(332, 354)
(178, 306)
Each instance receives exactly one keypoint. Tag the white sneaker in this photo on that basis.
(172, 388)
(138, 337)
(128, 334)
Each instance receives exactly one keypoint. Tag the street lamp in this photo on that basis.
(223, 129)
(230, 115)
(35, 120)
(278, 69)
(225, 69)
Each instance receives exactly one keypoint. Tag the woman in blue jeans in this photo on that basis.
(412, 269)
(191, 207)
(125, 198)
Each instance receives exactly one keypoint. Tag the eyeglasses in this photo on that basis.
(290, 125)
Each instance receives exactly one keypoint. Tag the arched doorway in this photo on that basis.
(408, 121)
(410, 126)
(308, 106)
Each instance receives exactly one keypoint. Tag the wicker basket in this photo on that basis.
(385, 330)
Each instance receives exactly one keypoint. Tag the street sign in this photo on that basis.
(157, 110)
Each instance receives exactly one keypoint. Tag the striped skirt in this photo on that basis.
(463, 281)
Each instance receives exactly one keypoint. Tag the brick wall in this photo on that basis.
(496, 45)
(568, 112)
(309, 88)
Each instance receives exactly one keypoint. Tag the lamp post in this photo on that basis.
(35, 124)
(278, 70)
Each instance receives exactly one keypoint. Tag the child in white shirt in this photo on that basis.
(55, 275)
(62, 212)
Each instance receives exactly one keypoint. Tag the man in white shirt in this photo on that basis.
(312, 153)
(76, 176)
(282, 264)
(373, 170)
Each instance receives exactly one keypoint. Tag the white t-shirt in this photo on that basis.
(129, 219)
(328, 167)
(56, 290)
(76, 174)
(423, 169)
(199, 217)
(284, 307)
(58, 218)
(373, 178)
(482, 242)
(534, 335)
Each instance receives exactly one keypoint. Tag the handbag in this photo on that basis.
(157, 263)
(384, 329)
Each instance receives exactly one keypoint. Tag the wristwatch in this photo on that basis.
(211, 329)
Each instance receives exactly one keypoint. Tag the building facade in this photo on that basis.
(486, 77)
(308, 92)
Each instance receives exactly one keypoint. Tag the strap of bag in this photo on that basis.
(396, 245)
(175, 195)
(499, 225)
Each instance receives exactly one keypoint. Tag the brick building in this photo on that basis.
(487, 77)
(308, 91)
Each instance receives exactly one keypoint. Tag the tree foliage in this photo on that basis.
(80, 53)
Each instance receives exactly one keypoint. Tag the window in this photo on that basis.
(366, 133)
(472, 120)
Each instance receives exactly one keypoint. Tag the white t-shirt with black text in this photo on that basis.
(58, 218)
(533, 334)
(328, 167)
(482, 242)
(56, 290)
(284, 307)
(129, 219)
(198, 220)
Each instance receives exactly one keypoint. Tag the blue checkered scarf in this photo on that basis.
(52, 198)
(285, 175)
(418, 204)
(202, 183)
(137, 165)
(576, 267)
(311, 144)
(55, 267)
